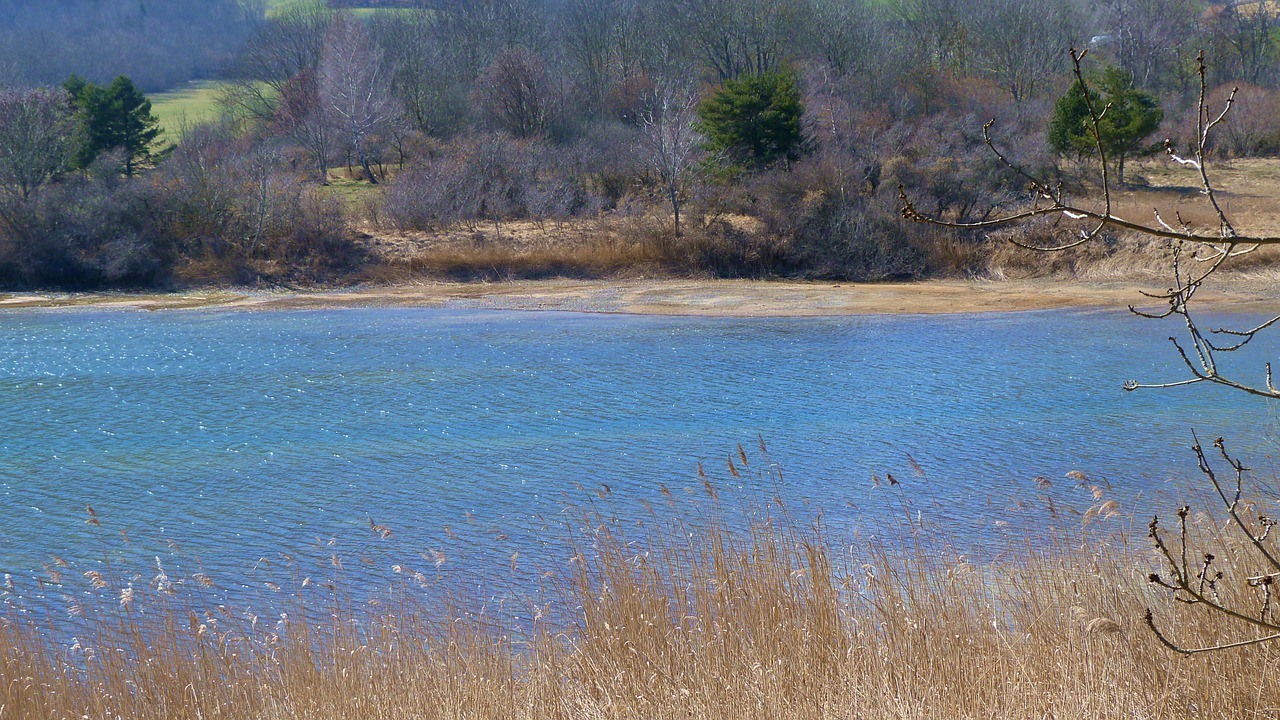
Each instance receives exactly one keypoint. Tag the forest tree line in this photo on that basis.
(801, 116)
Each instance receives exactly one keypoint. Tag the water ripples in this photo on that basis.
(238, 434)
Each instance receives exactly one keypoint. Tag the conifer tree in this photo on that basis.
(1128, 116)
(755, 120)
(117, 116)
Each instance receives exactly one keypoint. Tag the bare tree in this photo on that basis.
(1020, 43)
(1246, 32)
(514, 93)
(592, 37)
(261, 186)
(735, 38)
(1196, 255)
(1151, 38)
(355, 88)
(672, 139)
(285, 45)
(937, 30)
(479, 30)
(843, 35)
(38, 138)
(425, 76)
(301, 117)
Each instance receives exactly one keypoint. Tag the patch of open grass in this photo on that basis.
(194, 102)
(1247, 188)
(275, 7)
(357, 196)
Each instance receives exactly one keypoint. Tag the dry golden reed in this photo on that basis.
(702, 609)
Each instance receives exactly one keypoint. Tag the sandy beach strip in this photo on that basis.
(697, 297)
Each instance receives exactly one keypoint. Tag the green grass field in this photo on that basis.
(193, 102)
(279, 6)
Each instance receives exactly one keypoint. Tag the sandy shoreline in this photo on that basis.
(716, 298)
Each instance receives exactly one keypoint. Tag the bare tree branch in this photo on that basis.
(1210, 248)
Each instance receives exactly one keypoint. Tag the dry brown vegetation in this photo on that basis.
(703, 607)
(620, 245)
(616, 247)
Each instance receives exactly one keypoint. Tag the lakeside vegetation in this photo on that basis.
(602, 138)
(713, 605)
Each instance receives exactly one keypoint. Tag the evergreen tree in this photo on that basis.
(755, 120)
(1130, 116)
(117, 116)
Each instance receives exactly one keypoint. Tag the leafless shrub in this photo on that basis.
(851, 239)
(480, 178)
(227, 199)
(38, 134)
(1248, 131)
(490, 179)
(83, 233)
(609, 159)
(628, 98)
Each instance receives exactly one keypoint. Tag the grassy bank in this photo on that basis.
(701, 608)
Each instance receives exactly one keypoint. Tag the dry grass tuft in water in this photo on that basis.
(698, 613)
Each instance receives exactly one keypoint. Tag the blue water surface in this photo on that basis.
(227, 437)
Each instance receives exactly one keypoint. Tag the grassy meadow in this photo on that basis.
(194, 103)
(710, 605)
(275, 7)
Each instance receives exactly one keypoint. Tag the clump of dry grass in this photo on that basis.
(626, 245)
(698, 609)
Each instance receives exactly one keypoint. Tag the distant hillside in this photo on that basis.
(157, 44)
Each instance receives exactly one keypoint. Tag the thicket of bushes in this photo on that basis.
(217, 210)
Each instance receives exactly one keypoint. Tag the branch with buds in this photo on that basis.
(1209, 250)
(1199, 583)
(1195, 256)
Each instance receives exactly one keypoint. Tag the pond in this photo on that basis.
(215, 439)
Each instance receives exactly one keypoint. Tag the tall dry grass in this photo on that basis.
(714, 607)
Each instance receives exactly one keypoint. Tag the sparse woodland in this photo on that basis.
(517, 138)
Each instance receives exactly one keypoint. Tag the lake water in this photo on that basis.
(216, 438)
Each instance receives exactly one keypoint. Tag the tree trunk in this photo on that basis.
(675, 207)
(364, 159)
